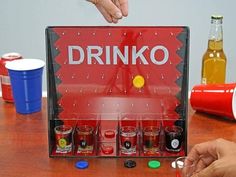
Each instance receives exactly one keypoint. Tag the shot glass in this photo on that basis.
(173, 138)
(151, 139)
(184, 167)
(85, 135)
(63, 135)
(128, 139)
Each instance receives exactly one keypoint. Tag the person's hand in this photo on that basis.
(112, 10)
(214, 159)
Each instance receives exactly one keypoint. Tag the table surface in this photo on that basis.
(24, 147)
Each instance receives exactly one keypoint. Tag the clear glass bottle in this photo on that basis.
(214, 60)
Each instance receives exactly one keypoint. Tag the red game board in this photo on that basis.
(111, 77)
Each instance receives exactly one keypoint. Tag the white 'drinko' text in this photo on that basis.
(94, 54)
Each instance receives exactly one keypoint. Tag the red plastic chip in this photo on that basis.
(109, 134)
(107, 149)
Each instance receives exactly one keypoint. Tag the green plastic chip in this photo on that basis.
(154, 164)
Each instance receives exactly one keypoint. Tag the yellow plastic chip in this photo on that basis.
(138, 81)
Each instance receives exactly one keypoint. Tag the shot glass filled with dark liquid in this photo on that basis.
(85, 139)
(151, 139)
(173, 138)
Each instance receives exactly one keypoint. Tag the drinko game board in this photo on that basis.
(117, 91)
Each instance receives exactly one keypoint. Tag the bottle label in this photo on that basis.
(62, 143)
(214, 71)
(175, 143)
(204, 80)
(5, 80)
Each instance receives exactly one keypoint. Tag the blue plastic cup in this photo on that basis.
(26, 83)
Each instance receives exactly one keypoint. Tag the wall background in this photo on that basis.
(23, 23)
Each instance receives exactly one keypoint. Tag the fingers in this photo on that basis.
(105, 14)
(204, 162)
(224, 147)
(216, 149)
(219, 168)
(206, 149)
(114, 20)
(214, 170)
(213, 158)
(209, 154)
(124, 7)
(111, 8)
(117, 3)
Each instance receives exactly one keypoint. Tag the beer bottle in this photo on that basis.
(214, 59)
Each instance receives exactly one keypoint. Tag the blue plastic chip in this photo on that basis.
(82, 164)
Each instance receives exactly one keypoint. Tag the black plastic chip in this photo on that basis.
(130, 163)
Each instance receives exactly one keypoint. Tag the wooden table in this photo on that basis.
(24, 147)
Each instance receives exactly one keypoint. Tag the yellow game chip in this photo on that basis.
(138, 81)
(62, 142)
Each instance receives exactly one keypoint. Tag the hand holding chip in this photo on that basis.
(112, 10)
(214, 158)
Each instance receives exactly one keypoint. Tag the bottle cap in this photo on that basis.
(82, 164)
(130, 163)
(11, 56)
(217, 17)
(154, 164)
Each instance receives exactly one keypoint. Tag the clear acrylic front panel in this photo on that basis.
(117, 91)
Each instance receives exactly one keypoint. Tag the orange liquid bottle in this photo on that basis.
(214, 60)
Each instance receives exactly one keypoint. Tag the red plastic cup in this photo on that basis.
(217, 99)
(5, 79)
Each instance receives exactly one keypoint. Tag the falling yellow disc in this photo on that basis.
(138, 81)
